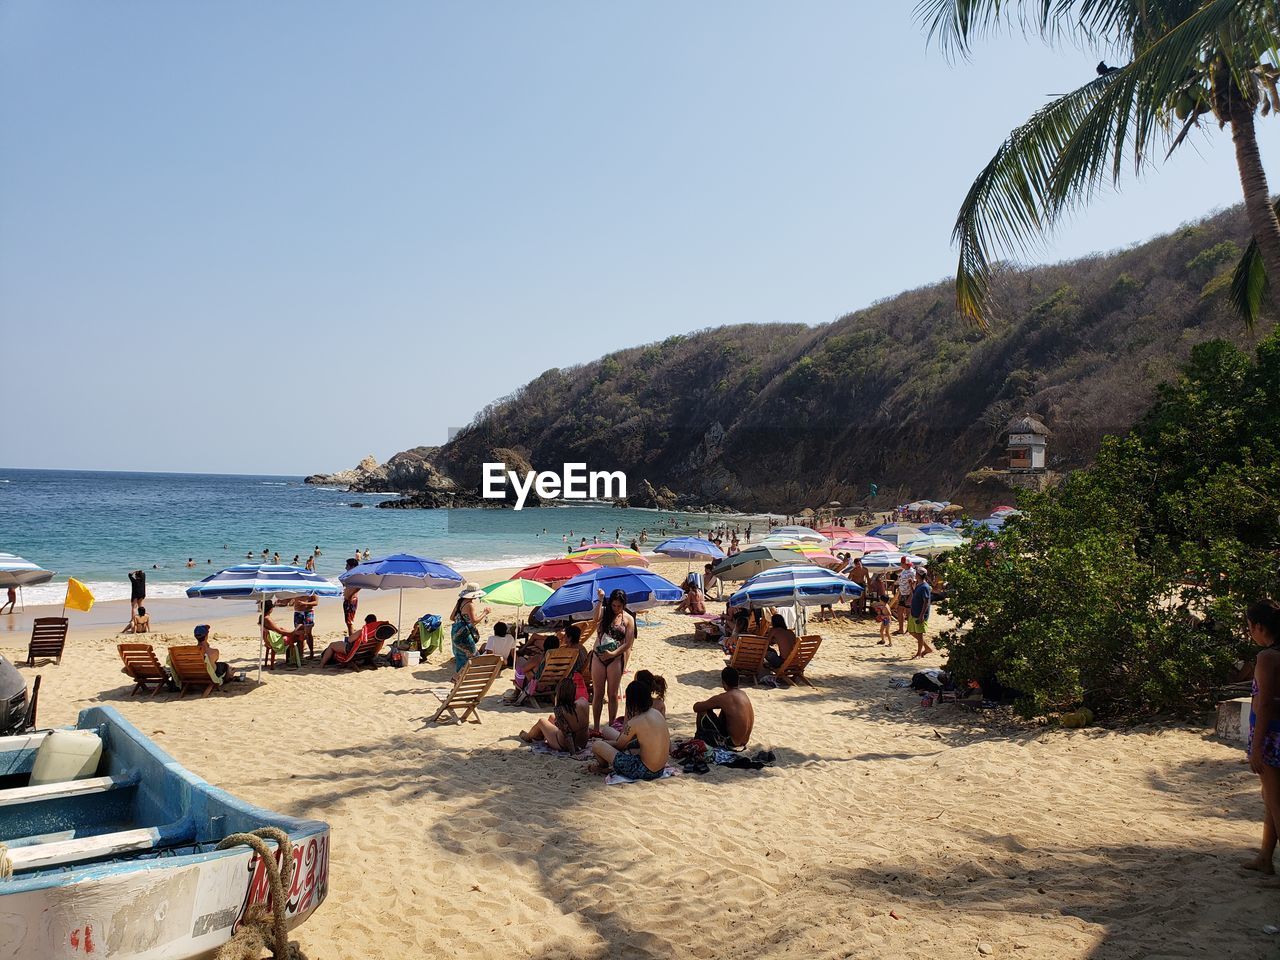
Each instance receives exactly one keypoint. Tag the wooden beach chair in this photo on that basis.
(469, 688)
(556, 665)
(748, 656)
(48, 637)
(142, 667)
(801, 654)
(191, 668)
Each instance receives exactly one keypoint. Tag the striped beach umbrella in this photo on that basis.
(862, 544)
(807, 534)
(689, 548)
(261, 582)
(881, 562)
(798, 585)
(17, 572)
(933, 546)
(576, 599)
(610, 555)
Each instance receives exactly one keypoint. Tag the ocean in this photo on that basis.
(97, 526)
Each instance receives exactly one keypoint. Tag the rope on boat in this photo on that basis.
(264, 929)
(6, 863)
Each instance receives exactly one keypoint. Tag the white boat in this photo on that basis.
(123, 864)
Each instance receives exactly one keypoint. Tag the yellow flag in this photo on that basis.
(78, 596)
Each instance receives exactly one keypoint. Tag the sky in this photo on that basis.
(250, 237)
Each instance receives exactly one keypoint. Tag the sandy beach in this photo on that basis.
(885, 829)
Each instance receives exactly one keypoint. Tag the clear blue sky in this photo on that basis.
(218, 220)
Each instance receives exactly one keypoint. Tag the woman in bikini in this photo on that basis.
(615, 633)
(566, 728)
(1264, 725)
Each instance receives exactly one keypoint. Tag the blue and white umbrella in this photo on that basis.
(939, 529)
(16, 572)
(689, 548)
(801, 585)
(803, 534)
(261, 582)
(576, 599)
(401, 571)
(881, 561)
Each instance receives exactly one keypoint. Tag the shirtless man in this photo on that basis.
(726, 720)
(861, 576)
(349, 599)
(211, 654)
(781, 636)
(645, 728)
(304, 619)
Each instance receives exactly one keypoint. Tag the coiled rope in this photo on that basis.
(264, 929)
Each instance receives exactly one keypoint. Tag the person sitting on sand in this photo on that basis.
(645, 728)
(140, 622)
(1263, 745)
(657, 690)
(212, 654)
(692, 602)
(615, 630)
(343, 647)
(782, 637)
(727, 719)
(582, 666)
(566, 728)
(275, 636)
(501, 644)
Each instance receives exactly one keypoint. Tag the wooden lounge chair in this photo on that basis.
(142, 667)
(48, 637)
(469, 688)
(801, 654)
(556, 665)
(748, 656)
(366, 645)
(191, 668)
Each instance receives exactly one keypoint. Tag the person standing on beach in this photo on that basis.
(12, 601)
(615, 634)
(918, 622)
(304, 621)
(466, 617)
(902, 598)
(137, 590)
(1263, 746)
(349, 599)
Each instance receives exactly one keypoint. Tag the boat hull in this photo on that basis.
(170, 905)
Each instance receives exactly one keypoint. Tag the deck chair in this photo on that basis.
(586, 629)
(142, 667)
(801, 654)
(274, 645)
(366, 644)
(469, 688)
(748, 656)
(556, 665)
(48, 637)
(191, 668)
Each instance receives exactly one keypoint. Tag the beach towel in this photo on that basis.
(615, 778)
(540, 746)
(430, 634)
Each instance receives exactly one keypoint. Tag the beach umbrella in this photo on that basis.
(556, 571)
(17, 572)
(576, 599)
(815, 554)
(800, 533)
(757, 559)
(261, 582)
(939, 530)
(898, 533)
(953, 508)
(610, 555)
(997, 511)
(884, 528)
(991, 523)
(862, 543)
(401, 571)
(517, 593)
(799, 585)
(689, 548)
(888, 560)
(835, 533)
(932, 546)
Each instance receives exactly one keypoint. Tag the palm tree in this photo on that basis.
(1190, 59)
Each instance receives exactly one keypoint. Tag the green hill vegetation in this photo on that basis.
(904, 394)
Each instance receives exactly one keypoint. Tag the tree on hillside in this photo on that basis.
(1190, 59)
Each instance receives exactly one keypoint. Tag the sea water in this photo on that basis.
(97, 526)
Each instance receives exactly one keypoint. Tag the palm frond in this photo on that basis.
(1250, 286)
(1006, 205)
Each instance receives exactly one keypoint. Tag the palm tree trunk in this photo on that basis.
(1257, 197)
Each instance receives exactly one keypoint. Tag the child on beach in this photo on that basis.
(883, 617)
(1263, 747)
(566, 728)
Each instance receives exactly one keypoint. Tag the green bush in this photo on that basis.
(1123, 588)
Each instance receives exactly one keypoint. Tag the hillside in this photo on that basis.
(902, 394)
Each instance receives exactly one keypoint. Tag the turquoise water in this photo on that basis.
(98, 526)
